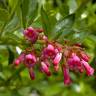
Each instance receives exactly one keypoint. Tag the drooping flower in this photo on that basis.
(67, 79)
(88, 68)
(45, 69)
(47, 63)
(84, 56)
(32, 74)
(57, 59)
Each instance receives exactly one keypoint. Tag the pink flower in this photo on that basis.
(49, 51)
(88, 68)
(57, 59)
(74, 62)
(31, 34)
(76, 59)
(67, 79)
(45, 69)
(30, 60)
(19, 59)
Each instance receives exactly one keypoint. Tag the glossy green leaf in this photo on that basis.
(66, 23)
(14, 5)
(24, 11)
(32, 15)
(45, 22)
(33, 11)
(12, 25)
(29, 12)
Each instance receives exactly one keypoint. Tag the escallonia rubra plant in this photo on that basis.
(53, 54)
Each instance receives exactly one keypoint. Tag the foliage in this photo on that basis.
(72, 20)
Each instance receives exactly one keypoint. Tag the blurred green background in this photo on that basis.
(73, 20)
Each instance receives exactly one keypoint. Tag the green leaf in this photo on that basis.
(65, 32)
(25, 7)
(59, 28)
(72, 5)
(64, 10)
(45, 22)
(77, 37)
(32, 15)
(12, 25)
(33, 11)
(11, 55)
(4, 15)
(14, 5)
(29, 12)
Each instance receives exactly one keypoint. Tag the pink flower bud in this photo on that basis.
(57, 58)
(30, 29)
(56, 51)
(45, 38)
(39, 30)
(32, 74)
(56, 68)
(45, 69)
(50, 47)
(17, 62)
(67, 79)
(88, 68)
(47, 63)
(85, 57)
(78, 44)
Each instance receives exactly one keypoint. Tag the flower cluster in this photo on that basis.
(52, 53)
